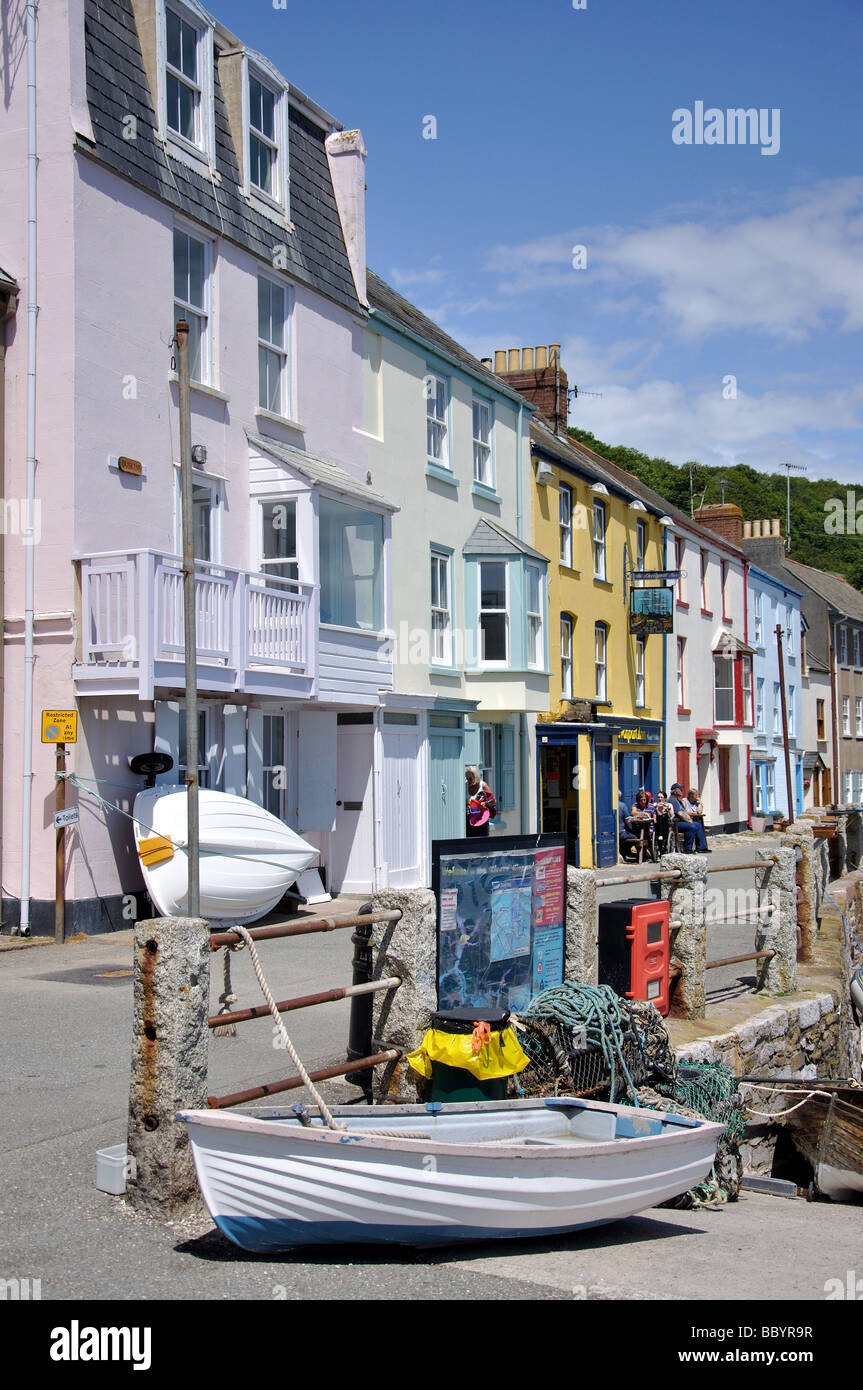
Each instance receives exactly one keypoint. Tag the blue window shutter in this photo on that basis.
(472, 744)
(506, 792)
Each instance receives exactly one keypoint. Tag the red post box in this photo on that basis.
(634, 949)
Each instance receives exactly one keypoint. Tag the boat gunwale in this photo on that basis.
(508, 1149)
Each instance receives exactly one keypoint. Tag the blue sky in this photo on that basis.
(554, 130)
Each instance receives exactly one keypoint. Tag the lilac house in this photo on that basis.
(181, 175)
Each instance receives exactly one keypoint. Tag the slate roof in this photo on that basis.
(117, 86)
(318, 471)
(488, 538)
(386, 300)
(832, 587)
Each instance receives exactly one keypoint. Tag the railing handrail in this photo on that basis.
(279, 585)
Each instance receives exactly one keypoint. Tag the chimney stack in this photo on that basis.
(725, 519)
(538, 375)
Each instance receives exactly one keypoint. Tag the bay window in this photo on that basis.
(533, 615)
(493, 612)
(723, 690)
(351, 564)
(278, 557)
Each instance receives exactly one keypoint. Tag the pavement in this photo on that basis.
(65, 1015)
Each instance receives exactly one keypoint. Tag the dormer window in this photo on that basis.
(186, 79)
(266, 133)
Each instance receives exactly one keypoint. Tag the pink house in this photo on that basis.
(180, 175)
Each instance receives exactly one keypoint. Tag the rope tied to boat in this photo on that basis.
(776, 1114)
(326, 1114)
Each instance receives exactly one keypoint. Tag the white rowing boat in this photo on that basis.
(481, 1170)
(248, 858)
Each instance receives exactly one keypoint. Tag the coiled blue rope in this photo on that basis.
(597, 1009)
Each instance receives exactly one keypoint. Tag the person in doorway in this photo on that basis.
(481, 806)
(691, 832)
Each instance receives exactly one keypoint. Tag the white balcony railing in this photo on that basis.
(132, 620)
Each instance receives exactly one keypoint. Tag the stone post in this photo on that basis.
(407, 948)
(170, 1041)
(686, 897)
(776, 885)
(581, 959)
(800, 836)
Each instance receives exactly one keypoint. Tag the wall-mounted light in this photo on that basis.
(199, 455)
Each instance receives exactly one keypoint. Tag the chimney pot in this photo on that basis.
(486, 362)
(514, 356)
(756, 530)
(777, 526)
(527, 359)
(499, 360)
(747, 530)
(541, 359)
(554, 354)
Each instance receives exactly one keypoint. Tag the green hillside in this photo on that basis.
(758, 495)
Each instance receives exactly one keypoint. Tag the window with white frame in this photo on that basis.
(789, 630)
(441, 608)
(192, 295)
(437, 400)
(705, 605)
(723, 583)
(482, 463)
(758, 617)
(487, 740)
(846, 714)
(858, 715)
(566, 656)
(777, 709)
(600, 641)
(273, 765)
(843, 645)
(278, 557)
(565, 525)
(849, 787)
(746, 689)
(351, 565)
(858, 646)
(274, 307)
(723, 690)
(640, 689)
(770, 786)
(207, 495)
(640, 546)
(185, 78)
(759, 705)
(265, 119)
(598, 539)
(681, 674)
(493, 613)
(858, 787)
(679, 551)
(790, 711)
(533, 613)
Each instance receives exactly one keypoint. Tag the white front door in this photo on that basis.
(352, 853)
(402, 809)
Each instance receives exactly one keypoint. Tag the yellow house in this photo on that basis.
(603, 733)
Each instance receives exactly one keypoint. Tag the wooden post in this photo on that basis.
(60, 849)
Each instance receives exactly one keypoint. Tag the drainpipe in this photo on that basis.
(8, 305)
(27, 527)
(522, 718)
(834, 699)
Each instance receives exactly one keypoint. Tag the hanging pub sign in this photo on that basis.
(651, 611)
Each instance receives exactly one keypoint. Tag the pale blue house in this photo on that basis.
(772, 604)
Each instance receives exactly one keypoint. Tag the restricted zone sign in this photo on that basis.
(59, 726)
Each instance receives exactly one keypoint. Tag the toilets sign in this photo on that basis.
(59, 726)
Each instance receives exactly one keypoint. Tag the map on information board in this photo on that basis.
(501, 909)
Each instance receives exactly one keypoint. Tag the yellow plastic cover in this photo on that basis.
(500, 1055)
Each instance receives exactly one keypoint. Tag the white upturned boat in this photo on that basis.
(488, 1169)
(248, 858)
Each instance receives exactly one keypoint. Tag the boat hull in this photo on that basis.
(828, 1131)
(248, 858)
(494, 1171)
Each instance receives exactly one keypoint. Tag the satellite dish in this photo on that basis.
(151, 765)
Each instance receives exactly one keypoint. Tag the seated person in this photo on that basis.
(629, 843)
(696, 810)
(640, 819)
(663, 813)
(690, 831)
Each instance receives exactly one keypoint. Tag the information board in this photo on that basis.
(501, 903)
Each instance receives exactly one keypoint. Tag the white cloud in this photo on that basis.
(787, 273)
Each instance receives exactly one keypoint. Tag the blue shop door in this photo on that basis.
(605, 834)
(630, 774)
(446, 785)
